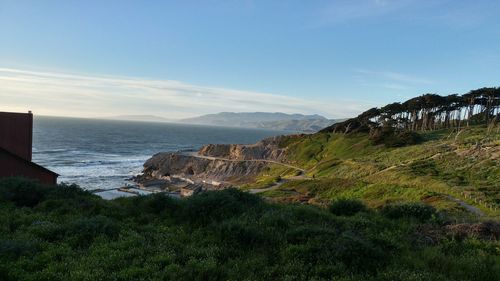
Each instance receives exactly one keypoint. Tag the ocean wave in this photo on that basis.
(94, 154)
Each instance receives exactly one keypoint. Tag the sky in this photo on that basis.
(179, 59)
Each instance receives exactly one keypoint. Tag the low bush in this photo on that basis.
(215, 206)
(346, 207)
(22, 193)
(390, 137)
(13, 249)
(82, 232)
(226, 235)
(418, 211)
(157, 204)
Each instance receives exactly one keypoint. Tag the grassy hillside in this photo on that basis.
(64, 233)
(456, 172)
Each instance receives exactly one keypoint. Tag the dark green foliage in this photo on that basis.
(82, 232)
(13, 249)
(215, 206)
(22, 193)
(418, 211)
(426, 112)
(63, 233)
(346, 207)
(390, 137)
(404, 138)
(26, 193)
(157, 204)
(424, 168)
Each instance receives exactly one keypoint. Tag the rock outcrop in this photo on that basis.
(199, 169)
(225, 163)
(268, 149)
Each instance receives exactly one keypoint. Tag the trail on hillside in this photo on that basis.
(275, 185)
(468, 207)
(248, 160)
(272, 187)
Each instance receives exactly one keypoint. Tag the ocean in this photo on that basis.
(105, 154)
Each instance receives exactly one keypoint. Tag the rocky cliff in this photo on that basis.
(268, 149)
(228, 163)
(198, 169)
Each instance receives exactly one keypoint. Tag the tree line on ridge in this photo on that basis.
(428, 112)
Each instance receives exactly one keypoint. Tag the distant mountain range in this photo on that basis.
(142, 118)
(264, 120)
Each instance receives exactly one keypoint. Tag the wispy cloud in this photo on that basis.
(459, 14)
(393, 84)
(341, 11)
(390, 76)
(53, 93)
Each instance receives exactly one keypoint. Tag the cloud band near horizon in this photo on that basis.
(61, 94)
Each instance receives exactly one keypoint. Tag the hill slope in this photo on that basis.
(447, 169)
(441, 150)
(267, 120)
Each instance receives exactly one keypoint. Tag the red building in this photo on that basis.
(16, 137)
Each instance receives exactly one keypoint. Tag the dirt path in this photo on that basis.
(261, 190)
(300, 176)
(465, 205)
(468, 207)
(247, 160)
(407, 163)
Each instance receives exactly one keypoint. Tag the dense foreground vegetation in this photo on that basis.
(64, 233)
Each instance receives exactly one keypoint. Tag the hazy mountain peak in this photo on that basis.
(268, 120)
(144, 118)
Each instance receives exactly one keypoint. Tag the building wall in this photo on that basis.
(11, 166)
(16, 133)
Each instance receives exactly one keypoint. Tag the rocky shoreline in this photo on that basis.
(213, 167)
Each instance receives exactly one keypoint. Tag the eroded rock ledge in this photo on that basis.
(163, 165)
(265, 149)
(216, 164)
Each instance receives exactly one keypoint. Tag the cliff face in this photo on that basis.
(230, 163)
(200, 169)
(266, 149)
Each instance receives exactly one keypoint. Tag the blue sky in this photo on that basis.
(184, 58)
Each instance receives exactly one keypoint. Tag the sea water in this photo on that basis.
(105, 154)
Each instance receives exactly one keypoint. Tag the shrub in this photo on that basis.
(404, 138)
(302, 234)
(388, 136)
(350, 251)
(217, 205)
(21, 192)
(28, 193)
(418, 211)
(241, 234)
(346, 207)
(82, 232)
(48, 231)
(359, 253)
(229, 235)
(158, 203)
(13, 249)
(426, 167)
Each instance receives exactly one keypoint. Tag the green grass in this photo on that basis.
(64, 233)
(446, 163)
(270, 176)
